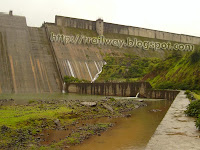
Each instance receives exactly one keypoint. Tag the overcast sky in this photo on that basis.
(177, 16)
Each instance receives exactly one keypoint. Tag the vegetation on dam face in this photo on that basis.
(70, 79)
(126, 68)
(30, 126)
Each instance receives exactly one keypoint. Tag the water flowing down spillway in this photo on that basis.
(70, 68)
(99, 71)
(88, 70)
(64, 86)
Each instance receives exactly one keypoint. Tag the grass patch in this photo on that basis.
(13, 116)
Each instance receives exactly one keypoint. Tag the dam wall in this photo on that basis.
(121, 89)
(75, 23)
(80, 61)
(127, 30)
(31, 62)
(26, 63)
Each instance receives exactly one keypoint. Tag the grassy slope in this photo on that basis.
(125, 68)
(176, 72)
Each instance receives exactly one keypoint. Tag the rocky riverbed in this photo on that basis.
(58, 124)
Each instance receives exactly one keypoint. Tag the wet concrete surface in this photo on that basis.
(176, 131)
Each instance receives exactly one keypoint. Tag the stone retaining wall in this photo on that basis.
(121, 89)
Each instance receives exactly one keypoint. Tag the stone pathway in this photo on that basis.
(176, 131)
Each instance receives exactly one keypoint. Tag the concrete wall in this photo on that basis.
(26, 62)
(80, 61)
(112, 89)
(121, 89)
(128, 30)
(161, 94)
(75, 23)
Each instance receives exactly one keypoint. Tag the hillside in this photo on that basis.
(126, 68)
(178, 71)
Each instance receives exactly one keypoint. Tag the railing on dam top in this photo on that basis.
(126, 89)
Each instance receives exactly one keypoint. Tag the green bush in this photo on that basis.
(197, 122)
(193, 109)
(188, 94)
(69, 79)
(166, 85)
(112, 99)
(195, 56)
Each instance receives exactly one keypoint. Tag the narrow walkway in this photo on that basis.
(176, 131)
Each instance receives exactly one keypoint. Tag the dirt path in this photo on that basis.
(176, 131)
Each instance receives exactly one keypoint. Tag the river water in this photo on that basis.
(130, 133)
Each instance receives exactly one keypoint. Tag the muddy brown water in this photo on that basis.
(129, 133)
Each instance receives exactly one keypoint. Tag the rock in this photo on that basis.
(104, 100)
(99, 134)
(136, 106)
(155, 110)
(128, 115)
(91, 104)
(107, 107)
(57, 122)
(141, 100)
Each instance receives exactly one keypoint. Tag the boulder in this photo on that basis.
(108, 107)
(57, 122)
(91, 104)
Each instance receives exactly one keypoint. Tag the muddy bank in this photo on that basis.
(39, 124)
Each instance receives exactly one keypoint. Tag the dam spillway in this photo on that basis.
(30, 62)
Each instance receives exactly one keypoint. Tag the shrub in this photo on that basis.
(197, 123)
(193, 109)
(195, 56)
(69, 79)
(166, 85)
(188, 94)
(112, 99)
(176, 54)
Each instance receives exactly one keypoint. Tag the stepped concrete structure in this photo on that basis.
(31, 62)
(26, 61)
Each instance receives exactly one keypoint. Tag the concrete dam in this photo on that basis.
(36, 59)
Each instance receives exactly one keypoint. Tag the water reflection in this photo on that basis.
(130, 133)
